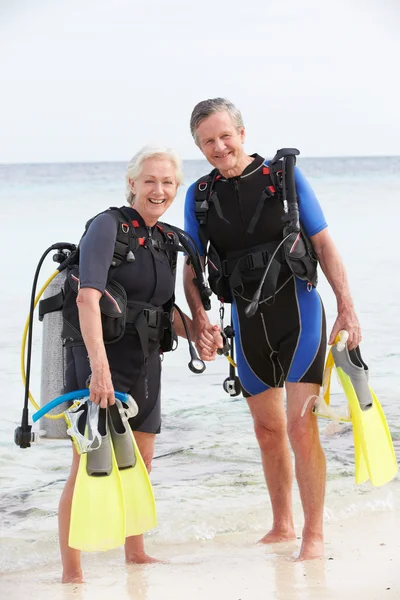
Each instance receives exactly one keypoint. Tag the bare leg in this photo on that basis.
(310, 467)
(71, 558)
(269, 417)
(134, 545)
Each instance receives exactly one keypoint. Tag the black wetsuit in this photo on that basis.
(286, 339)
(149, 279)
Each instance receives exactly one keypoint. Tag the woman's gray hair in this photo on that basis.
(205, 108)
(135, 166)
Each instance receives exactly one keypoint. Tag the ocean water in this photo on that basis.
(207, 474)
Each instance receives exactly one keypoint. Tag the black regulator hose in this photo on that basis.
(189, 246)
(196, 365)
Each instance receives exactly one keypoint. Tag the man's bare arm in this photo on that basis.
(335, 272)
(207, 336)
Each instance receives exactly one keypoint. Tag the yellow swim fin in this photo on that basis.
(374, 453)
(322, 403)
(98, 508)
(361, 474)
(140, 508)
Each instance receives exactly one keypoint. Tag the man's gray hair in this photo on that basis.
(135, 166)
(205, 108)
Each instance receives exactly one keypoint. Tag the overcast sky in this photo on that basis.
(89, 80)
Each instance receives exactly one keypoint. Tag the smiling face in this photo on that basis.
(221, 142)
(154, 189)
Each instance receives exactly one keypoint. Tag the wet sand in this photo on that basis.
(362, 561)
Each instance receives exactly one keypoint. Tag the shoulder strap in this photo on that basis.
(202, 194)
(170, 245)
(126, 240)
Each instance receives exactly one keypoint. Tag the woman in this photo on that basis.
(130, 364)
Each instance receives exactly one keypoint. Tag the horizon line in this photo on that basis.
(104, 161)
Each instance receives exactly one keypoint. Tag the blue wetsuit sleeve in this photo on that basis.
(191, 224)
(96, 252)
(311, 216)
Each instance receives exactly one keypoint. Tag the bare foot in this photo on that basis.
(72, 578)
(311, 549)
(278, 535)
(142, 559)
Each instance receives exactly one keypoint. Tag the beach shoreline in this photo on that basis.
(361, 561)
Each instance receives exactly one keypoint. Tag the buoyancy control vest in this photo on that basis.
(226, 273)
(118, 314)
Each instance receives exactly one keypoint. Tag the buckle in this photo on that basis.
(224, 268)
(249, 262)
(256, 260)
(156, 244)
(152, 317)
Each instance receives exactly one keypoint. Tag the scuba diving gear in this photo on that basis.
(53, 353)
(375, 458)
(231, 384)
(272, 265)
(116, 311)
(155, 323)
(23, 435)
(196, 365)
(70, 397)
(263, 263)
(285, 340)
(82, 420)
(295, 250)
(98, 507)
(140, 509)
(298, 252)
(193, 258)
(90, 439)
(321, 403)
(113, 498)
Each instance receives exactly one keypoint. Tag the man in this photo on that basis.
(284, 343)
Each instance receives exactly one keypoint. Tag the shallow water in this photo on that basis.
(214, 484)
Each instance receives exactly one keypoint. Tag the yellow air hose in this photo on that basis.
(229, 359)
(23, 346)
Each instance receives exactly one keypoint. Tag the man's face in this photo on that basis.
(220, 141)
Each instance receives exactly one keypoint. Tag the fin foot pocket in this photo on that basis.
(138, 493)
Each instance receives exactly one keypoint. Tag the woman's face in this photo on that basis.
(154, 189)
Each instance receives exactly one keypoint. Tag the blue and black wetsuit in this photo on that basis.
(148, 279)
(286, 339)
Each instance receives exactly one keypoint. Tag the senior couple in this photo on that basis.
(229, 215)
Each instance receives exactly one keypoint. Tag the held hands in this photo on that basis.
(208, 340)
(347, 320)
(101, 387)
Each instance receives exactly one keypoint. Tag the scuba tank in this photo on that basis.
(53, 359)
(65, 253)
